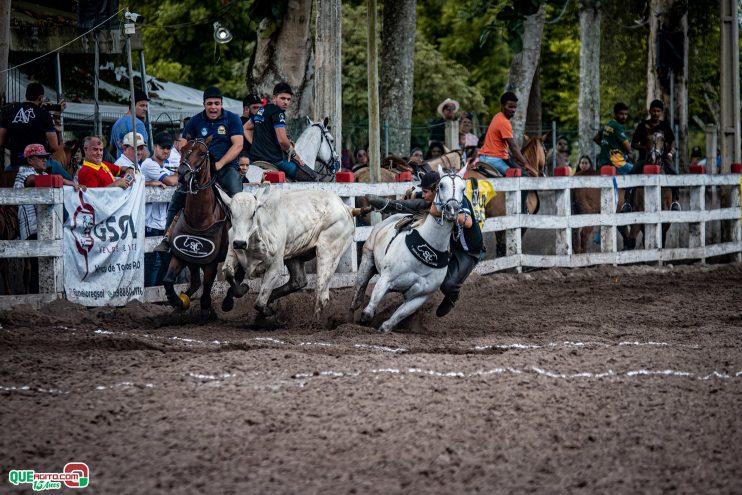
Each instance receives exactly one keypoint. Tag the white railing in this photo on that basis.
(49, 246)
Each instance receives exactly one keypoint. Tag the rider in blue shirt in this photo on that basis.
(225, 130)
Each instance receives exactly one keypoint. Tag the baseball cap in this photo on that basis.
(429, 180)
(163, 139)
(140, 95)
(251, 100)
(212, 92)
(129, 139)
(35, 150)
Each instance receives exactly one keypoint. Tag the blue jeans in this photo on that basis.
(498, 163)
(154, 267)
(287, 167)
(626, 169)
(228, 177)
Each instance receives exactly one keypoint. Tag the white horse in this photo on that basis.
(390, 253)
(316, 147)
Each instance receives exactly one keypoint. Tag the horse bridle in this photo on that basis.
(334, 164)
(191, 176)
(440, 204)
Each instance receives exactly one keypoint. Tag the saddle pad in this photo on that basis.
(424, 252)
(479, 193)
(197, 246)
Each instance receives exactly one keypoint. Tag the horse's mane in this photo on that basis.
(533, 152)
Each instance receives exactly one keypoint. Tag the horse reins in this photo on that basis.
(193, 173)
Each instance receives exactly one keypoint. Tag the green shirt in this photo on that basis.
(612, 137)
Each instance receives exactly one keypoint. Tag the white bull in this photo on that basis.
(271, 228)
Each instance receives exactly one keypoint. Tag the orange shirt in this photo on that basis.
(499, 130)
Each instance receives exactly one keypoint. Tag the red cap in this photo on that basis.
(35, 150)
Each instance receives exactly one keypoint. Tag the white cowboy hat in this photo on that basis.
(448, 101)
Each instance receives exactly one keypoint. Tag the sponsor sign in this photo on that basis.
(74, 475)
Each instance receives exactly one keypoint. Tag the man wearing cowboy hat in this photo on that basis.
(447, 110)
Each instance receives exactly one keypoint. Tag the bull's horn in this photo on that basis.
(225, 197)
(357, 212)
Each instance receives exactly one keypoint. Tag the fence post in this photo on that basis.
(697, 230)
(349, 259)
(608, 211)
(452, 134)
(736, 234)
(653, 204)
(563, 209)
(49, 228)
(513, 245)
(711, 144)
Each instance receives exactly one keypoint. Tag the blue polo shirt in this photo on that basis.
(221, 131)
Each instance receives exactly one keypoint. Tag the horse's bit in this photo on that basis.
(191, 175)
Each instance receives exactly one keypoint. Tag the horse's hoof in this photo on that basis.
(366, 317)
(228, 303)
(185, 301)
(206, 315)
(263, 322)
(385, 329)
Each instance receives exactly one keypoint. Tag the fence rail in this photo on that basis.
(49, 246)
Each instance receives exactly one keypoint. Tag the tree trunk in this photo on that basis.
(284, 53)
(4, 48)
(589, 99)
(372, 72)
(328, 86)
(533, 114)
(397, 62)
(669, 16)
(523, 67)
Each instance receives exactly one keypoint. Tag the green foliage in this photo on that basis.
(436, 78)
(179, 43)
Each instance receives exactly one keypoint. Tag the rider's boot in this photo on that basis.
(377, 202)
(305, 174)
(164, 245)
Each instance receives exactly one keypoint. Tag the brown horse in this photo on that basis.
(587, 201)
(200, 233)
(533, 152)
(655, 156)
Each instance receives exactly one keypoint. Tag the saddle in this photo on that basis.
(203, 246)
(488, 170)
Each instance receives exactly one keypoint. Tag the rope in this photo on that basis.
(66, 44)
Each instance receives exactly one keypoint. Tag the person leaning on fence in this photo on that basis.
(156, 173)
(499, 139)
(642, 139)
(129, 154)
(36, 158)
(123, 125)
(28, 123)
(97, 173)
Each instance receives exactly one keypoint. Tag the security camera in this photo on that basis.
(131, 16)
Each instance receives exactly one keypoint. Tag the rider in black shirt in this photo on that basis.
(270, 142)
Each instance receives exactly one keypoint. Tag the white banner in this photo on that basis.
(104, 245)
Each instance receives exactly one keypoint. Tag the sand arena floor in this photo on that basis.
(601, 380)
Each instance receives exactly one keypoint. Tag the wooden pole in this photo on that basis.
(327, 66)
(4, 48)
(374, 139)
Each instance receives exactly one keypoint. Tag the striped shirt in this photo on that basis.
(26, 213)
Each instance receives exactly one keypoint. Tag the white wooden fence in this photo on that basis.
(49, 245)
